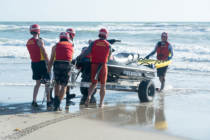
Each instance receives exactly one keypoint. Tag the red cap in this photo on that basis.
(35, 28)
(71, 32)
(164, 34)
(64, 35)
(104, 32)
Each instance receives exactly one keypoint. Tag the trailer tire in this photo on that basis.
(84, 90)
(146, 91)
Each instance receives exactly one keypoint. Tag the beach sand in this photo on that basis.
(182, 114)
(50, 125)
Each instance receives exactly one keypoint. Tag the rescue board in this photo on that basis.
(157, 63)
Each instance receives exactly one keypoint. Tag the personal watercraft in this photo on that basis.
(124, 74)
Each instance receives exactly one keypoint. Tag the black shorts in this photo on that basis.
(39, 70)
(162, 71)
(62, 72)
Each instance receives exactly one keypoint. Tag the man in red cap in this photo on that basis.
(164, 52)
(39, 59)
(69, 96)
(61, 55)
(100, 53)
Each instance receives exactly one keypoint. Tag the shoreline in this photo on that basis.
(42, 125)
(170, 114)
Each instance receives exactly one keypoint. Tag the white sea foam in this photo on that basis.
(16, 84)
(192, 48)
(196, 58)
(12, 27)
(13, 43)
(47, 41)
(144, 28)
(21, 52)
(181, 51)
(193, 66)
(190, 42)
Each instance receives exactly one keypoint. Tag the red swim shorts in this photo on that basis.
(102, 75)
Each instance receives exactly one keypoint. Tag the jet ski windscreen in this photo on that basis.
(126, 58)
(136, 57)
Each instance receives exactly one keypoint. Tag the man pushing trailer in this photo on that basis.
(39, 60)
(61, 55)
(100, 53)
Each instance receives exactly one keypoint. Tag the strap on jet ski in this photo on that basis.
(98, 71)
(152, 65)
(75, 65)
(160, 61)
(149, 65)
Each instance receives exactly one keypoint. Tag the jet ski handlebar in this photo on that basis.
(112, 41)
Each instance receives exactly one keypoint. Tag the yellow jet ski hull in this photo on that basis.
(157, 63)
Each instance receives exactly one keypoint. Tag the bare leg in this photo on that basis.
(62, 92)
(57, 89)
(36, 90)
(160, 78)
(102, 95)
(163, 79)
(90, 92)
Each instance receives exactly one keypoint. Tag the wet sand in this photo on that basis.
(175, 114)
(49, 125)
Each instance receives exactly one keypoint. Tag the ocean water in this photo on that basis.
(186, 97)
(191, 42)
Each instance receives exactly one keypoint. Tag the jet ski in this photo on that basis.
(124, 74)
(124, 66)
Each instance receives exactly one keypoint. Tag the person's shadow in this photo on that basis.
(23, 108)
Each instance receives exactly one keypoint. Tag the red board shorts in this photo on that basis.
(102, 75)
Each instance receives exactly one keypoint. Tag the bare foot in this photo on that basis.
(87, 102)
(103, 105)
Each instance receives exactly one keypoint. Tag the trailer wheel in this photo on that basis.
(146, 91)
(84, 90)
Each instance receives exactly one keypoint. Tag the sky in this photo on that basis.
(105, 10)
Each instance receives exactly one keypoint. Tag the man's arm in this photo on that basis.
(41, 45)
(51, 59)
(154, 51)
(88, 51)
(110, 51)
(170, 48)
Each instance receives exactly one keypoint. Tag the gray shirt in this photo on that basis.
(89, 49)
(170, 48)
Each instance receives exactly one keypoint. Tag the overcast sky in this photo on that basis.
(105, 10)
